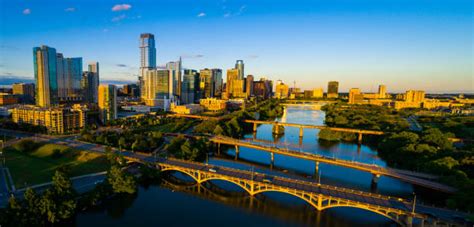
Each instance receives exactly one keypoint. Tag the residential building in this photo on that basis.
(44, 61)
(308, 94)
(233, 78)
(147, 52)
(190, 87)
(57, 120)
(107, 101)
(213, 104)
(8, 99)
(131, 90)
(333, 87)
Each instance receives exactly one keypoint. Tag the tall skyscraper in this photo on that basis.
(157, 87)
(93, 67)
(190, 86)
(333, 87)
(249, 85)
(147, 51)
(90, 86)
(210, 83)
(73, 77)
(61, 76)
(263, 88)
(239, 65)
(107, 101)
(382, 91)
(175, 78)
(147, 60)
(44, 60)
(234, 84)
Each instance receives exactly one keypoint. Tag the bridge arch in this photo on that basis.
(242, 185)
(163, 169)
(300, 196)
(386, 215)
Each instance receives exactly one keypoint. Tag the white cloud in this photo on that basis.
(27, 11)
(120, 7)
(119, 18)
(70, 9)
(202, 14)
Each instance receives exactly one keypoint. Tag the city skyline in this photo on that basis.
(418, 47)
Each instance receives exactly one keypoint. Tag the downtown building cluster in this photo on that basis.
(64, 94)
(170, 87)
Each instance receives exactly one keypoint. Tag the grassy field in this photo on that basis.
(38, 166)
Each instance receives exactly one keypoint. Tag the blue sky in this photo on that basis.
(405, 44)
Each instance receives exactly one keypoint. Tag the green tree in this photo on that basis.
(58, 202)
(120, 181)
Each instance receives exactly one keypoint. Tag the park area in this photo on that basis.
(33, 163)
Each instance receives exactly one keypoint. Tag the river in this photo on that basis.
(179, 202)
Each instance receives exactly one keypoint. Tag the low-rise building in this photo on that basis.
(213, 104)
(186, 109)
(56, 119)
(8, 99)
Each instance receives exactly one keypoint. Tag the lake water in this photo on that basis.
(217, 203)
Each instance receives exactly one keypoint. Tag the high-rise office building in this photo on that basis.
(131, 90)
(382, 91)
(107, 100)
(26, 91)
(90, 86)
(210, 83)
(190, 86)
(249, 85)
(157, 88)
(175, 78)
(44, 60)
(239, 65)
(61, 76)
(333, 87)
(234, 83)
(73, 76)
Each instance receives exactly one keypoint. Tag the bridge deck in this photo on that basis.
(374, 169)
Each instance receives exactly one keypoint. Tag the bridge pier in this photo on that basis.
(316, 169)
(277, 129)
(272, 159)
(301, 132)
(255, 127)
(218, 148)
(375, 179)
(359, 138)
(236, 152)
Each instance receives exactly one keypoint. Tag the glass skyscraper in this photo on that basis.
(147, 51)
(44, 61)
(190, 86)
(240, 66)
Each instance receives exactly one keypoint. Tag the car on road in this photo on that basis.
(212, 170)
(267, 179)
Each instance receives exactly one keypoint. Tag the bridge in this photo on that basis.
(375, 170)
(319, 196)
(360, 132)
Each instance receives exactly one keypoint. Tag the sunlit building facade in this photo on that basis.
(107, 101)
(44, 61)
(333, 89)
